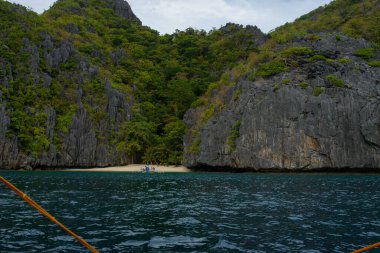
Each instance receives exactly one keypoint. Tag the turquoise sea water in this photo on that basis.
(194, 212)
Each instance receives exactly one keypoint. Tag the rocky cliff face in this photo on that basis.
(123, 9)
(120, 7)
(85, 144)
(85, 85)
(323, 114)
(80, 141)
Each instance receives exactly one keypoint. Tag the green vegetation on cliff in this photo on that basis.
(355, 18)
(84, 54)
(344, 27)
(86, 81)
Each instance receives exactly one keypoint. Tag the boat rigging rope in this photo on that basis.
(48, 215)
(367, 248)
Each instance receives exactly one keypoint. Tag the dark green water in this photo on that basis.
(126, 212)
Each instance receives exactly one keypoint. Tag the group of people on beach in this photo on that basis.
(149, 167)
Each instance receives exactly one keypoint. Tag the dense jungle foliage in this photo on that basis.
(161, 75)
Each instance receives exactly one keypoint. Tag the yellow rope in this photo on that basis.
(367, 248)
(48, 215)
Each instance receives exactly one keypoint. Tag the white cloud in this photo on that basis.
(38, 6)
(168, 15)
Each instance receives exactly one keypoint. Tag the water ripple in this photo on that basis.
(253, 213)
(168, 242)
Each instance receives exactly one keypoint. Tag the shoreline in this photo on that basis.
(134, 168)
(207, 169)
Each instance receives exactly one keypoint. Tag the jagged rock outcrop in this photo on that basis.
(120, 7)
(70, 77)
(123, 9)
(80, 147)
(257, 36)
(85, 85)
(86, 142)
(277, 125)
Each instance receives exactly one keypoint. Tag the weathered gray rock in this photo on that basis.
(88, 141)
(72, 28)
(91, 29)
(79, 146)
(62, 54)
(120, 7)
(118, 55)
(51, 123)
(257, 34)
(5, 82)
(46, 80)
(10, 156)
(289, 128)
(257, 38)
(5, 73)
(32, 51)
(4, 119)
(123, 9)
(118, 109)
(86, 144)
(47, 43)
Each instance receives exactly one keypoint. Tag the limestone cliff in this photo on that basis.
(85, 84)
(322, 113)
(120, 7)
(81, 143)
(50, 115)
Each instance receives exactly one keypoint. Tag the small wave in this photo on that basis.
(117, 198)
(279, 247)
(187, 241)
(370, 234)
(95, 240)
(10, 246)
(29, 232)
(65, 249)
(25, 243)
(272, 223)
(330, 223)
(226, 245)
(213, 209)
(69, 217)
(127, 233)
(132, 243)
(184, 221)
(296, 217)
(64, 238)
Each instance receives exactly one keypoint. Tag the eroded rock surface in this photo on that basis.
(287, 127)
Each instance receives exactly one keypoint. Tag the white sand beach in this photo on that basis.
(135, 168)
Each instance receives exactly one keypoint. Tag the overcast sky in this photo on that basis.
(168, 15)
